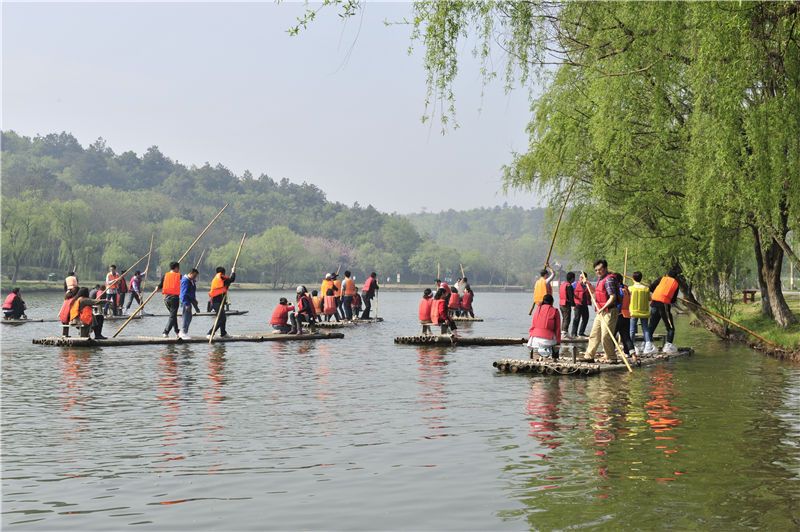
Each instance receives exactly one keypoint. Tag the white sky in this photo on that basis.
(339, 106)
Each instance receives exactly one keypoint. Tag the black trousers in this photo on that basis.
(223, 320)
(580, 319)
(566, 317)
(172, 303)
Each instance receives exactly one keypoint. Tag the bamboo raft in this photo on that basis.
(351, 323)
(56, 320)
(153, 340)
(446, 339)
(566, 366)
(585, 340)
(196, 314)
(466, 318)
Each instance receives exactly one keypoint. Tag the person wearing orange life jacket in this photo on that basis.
(545, 332)
(368, 292)
(665, 292)
(316, 301)
(425, 311)
(543, 286)
(454, 304)
(624, 319)
(580, 318)
(337, 294)
(348, 292)
(111, 290)
(566, 300)
(81, 315)
(606, 295)
(327, 284)
(14, 307)
(218, 293)
(280, 317)
(170, 286)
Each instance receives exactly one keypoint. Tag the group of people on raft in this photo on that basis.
(440, 307)
(619, 310)
(336, 300)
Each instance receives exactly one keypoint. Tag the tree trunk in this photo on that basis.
(14, 275)
(766, 309)
(772, 263)
(708, 321)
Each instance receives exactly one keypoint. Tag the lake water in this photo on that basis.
(363, 434)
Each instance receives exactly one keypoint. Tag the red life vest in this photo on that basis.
(172, 284)
(368, 284)
(425, 309)
(446, 288)
(455, 301)
(541, 288)
(546, 323)
(665, 290)
(600, 294)
(280, 316)
(309, 305)
(625, 309)
(466, 301)
(9, 302)
(110, 278)
(329, 305)
(121, 286)
(438, 310)
(85, 313)
(349, 287)
(217, 286)
(63, 315)
(563, 301)
(582, 293)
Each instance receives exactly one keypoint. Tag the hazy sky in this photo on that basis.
(339, 106)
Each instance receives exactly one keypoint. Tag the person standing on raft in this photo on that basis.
(170, 286)
(606, 295)
(580, 318)
(188, 300)
(135, 289)
(543, 286)
(466, 302)
(14, 307)
(368, 292)
(219, 289)
(111, 290)
(425, 311)
(566, 300)
(640, 312)
(71, 284)
(348, 293)
(665, 292)
(545, 332)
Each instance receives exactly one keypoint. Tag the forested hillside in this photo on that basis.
(65, 205)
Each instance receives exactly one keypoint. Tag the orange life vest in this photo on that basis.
(540, 289)
(625, 309)
(317, 301)
(349, 287)
(110, 284)
(327, 284)
(172, 284)
(217, 286)
(337, 288)
(665, 290)
(85, 313)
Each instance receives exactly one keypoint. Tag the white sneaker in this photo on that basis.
(226, 336)
(208, 337)
(164, 335)
(637, 350)
(183, 336)
(649, 348)
(670, 348)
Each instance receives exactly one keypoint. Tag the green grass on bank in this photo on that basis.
(749, 315)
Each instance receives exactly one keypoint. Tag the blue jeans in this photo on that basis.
(282, 328)
(645, 329)
(347, 307)
(186, 319)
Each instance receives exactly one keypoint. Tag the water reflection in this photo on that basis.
(213, 396)
(542, 407)
(322, 393)
(662, 413)
(75, 374)
(431, 371)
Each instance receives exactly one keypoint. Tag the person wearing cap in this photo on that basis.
(305, 312)
(327, 284)
(280, 317)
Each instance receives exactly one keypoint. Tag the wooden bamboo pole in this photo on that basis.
(149, 256)
(438, 271)
(138, 310)
(625, 267)
(611, 333)
(729, 321)
(462, 271)
(553, 240)
(200, 259)
(222, 303)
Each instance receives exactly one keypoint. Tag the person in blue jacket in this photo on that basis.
(188, 300)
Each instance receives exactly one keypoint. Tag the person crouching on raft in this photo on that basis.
(280, 317)
(545, 331)
(81, 315)
(439, 314)
(14, 307)
(305, 312)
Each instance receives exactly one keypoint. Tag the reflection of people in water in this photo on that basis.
(74, 365)
(431, 371)
(542, 407)
(662, 415)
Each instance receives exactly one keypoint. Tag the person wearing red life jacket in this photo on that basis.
(545, 332)
(454, 304)
(665, 292)
(170, 286)
(606, 295)
(425, 311)
(112, 278)
(280, 317)
(122, 292)
(439, 314)
(329, 305)
(13, 306)
(356, 307)
(466, 302)
(368, 293)
(348, 293)
(566, 302)
(218, 294)
(580, 318)
(304, 313)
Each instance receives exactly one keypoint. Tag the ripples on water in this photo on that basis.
(362, 434)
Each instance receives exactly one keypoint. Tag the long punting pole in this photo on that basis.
(147, 268)
(611, 333)
(558, 223)
(222, 303)
(138, 310)
(729, 321)
(200, 259)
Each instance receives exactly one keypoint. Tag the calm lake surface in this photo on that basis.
(362, 434)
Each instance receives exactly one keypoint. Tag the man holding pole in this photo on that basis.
(606, 295)
(219, 289)
(170, 286)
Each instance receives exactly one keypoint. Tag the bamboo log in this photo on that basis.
(445, 339)
(225, 296)
(200, 259)
(138, 310)
(147, 268)
(729, 321)
(149, 340)
(567, 368)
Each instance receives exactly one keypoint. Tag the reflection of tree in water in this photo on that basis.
(431, 374)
